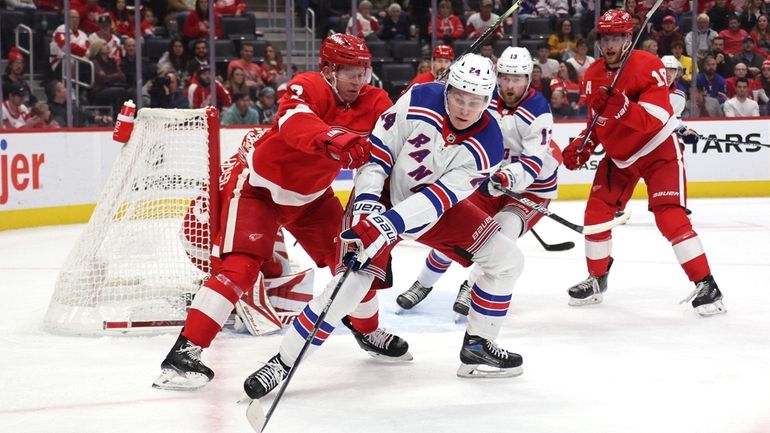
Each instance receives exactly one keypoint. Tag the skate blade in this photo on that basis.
(480, 371)
(394, 359)
(171, 380)
(244, 399)
(460, 319)
(711, 309)
(591, 300)
(256, 416)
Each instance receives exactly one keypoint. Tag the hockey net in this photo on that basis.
(133, 268)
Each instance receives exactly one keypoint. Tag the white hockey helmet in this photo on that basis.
(671, 62)
(473, 73)
(515, 60)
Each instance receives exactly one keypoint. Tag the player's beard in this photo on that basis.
(438, 72)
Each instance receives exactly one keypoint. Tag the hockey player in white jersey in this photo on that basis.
(430, 151)
(530, 163)
(678, 98)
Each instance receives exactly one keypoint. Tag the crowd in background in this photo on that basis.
(733, 77)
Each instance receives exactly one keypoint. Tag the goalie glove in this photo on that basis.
(497, 183)
(371, 236)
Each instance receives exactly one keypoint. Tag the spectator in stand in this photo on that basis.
(705, 106)
(20, 4)
(230, 7)
(733, 36)
(165, 92)
(741, 105)
(761, 35)
(560, 109)
(175, 8)
(724, 62)
(149, 20)
(527, 9)
(741, 71)
(423, 67)
(50, 5)
(110, 83)
(196, 25)
(713, 83)
(253, 73)
(480, 21)
(750, 15)
(487, 50)
(199, 91)
(441, 58)
(548, 66)
(236, 82)
(638, 29)
(275, 69)
(749, 56)
(680, 6)
(266, 106)
(448, 26)
(241, 112)
(105, 34)
(367, 26)
(175, 59)
(720, 15)
(668, 34)
(128, 66)
(78, 43)
(14, 76)
(90, 11)
(705, 36)
(15, 113)
(632, 7)
(562, 43)
(539, 83)
(651, 46)
(677, 50)
(762, 96)
(396, 26)
(582, 60)
(663, 12)
(200, 56)
(56, 93)
(122, 19)
(554, 8)
(43, 113)
(567, 81)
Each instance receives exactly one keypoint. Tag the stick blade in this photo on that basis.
(256, 416)
(564, 246)
(620, 219)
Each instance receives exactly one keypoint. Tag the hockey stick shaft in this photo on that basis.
(484, 36)
(553, 247)
(585, 230)
(306, 346)
(726, 141)
(623, 62)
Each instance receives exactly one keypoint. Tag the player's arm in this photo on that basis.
(517, 176)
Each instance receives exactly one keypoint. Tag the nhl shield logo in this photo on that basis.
(450, 138)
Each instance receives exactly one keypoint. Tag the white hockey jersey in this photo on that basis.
(426, 166)
(528, 153)
(678, 102)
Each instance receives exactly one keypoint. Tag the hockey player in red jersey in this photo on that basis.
(636, 127)
(321, 127)
(442, 57)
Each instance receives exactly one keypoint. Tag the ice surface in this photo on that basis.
(639, 362)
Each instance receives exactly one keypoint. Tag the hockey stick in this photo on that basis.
(619, 219)
(724, 140)
(484, 36)
(254, 413)
(623, 62)
(564, 246)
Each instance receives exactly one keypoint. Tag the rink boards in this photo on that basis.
(55, 176)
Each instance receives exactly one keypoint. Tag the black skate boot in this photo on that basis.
(589, 291)
(463, 302)
(483, 358)
(706, 298)
(381, 344)
(266, 378)
(413, 296)
(182, 370)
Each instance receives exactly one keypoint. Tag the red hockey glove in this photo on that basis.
(574, 159)
(372, 235)
(348, 148)
(499, 181)
(612, 105)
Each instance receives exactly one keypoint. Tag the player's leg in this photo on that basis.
(611, 190)
(236, 273)
(667, 189)
(434, 267)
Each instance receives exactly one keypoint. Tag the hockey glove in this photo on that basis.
(371, 236)
(350, 149)
(687, 135)
(612, 105)
(498, 182)
(574, 158)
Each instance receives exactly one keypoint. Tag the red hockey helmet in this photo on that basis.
(615, 21)
(443, 52)
(339, 49)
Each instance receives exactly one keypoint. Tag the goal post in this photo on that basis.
(145, 250)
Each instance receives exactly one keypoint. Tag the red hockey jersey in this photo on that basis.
(648, 120)
(286, 160)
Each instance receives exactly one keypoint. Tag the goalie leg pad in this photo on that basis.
(255, 314)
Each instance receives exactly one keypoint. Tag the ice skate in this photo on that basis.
(266, 378)
(413, 296)
(706, 298)
(182, 370)
(463, 302)
(589, 291)
(483, 358)
(381, 344)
